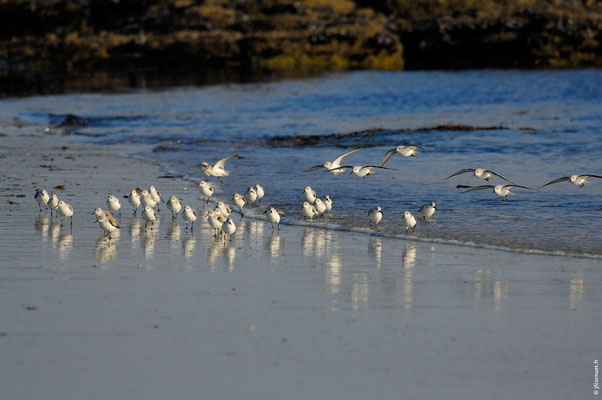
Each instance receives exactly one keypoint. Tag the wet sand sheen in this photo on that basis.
(308, 312)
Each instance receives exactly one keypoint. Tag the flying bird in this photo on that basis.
(405, 150)
(480, 173)
(219, 169)
(360, 170)
(334, 166)
(577, 180)
(502, 191)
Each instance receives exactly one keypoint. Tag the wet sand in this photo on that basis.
(298, 313)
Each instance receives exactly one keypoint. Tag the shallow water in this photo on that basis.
(561, 111)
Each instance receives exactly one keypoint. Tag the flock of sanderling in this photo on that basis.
(219, 218)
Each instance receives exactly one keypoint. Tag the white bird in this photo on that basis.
(260, 192)
(308, 195)
(134, 199)
(65, 211)
(189, 216)
(175, 205)
(577, 180)
(320, 206)
(146, 199)
(42, 198)
(309, 211)
(362, 170)
(219, 168)
(408, 221)
(405, 150)
(155, 194)
(251, 194)
(375, 214)
(480, 173)
(333, 166)
(150, 215)
(113, 204)
(239, 201)
(328, 203)
(216, 221)
(206, 189)
(229, 227)
(427, 210)
(107, 224)
(224, 209)
(502, 191)
(53, 203)
(274, 216)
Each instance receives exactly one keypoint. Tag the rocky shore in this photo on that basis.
(49, 44)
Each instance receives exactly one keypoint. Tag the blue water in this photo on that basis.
(553, 121)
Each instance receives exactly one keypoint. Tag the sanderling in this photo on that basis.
(228, 227)
(156, 195)
(375, 214)
(53, 203)
(113, 204)
(480, 173)
(99, 212)
(320, 206)
(150, 215)
(251, 194)
(333, 166)
(206, 190)
(147, 199)
(405, 150)
(260, 192)
(224, 209)
(427, 210)
(363, 170)
(308, 210)
(239, 201)
(503, 191)
(308, 195)
(219, 168)
(134, 199)
(108, 225)
(175, 205)
(189, 216)
(42, 198)
(65, 211)
(274, 216)
(577, 180)
(328, 203)
(216, 221)
(408, 221)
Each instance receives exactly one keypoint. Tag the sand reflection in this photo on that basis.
(486, 286)
(106, 249)
(576, 290)
(409, 260)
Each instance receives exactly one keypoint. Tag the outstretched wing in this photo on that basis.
(416, 147)
(482, 187)
(388, 155)
(338, 168)
(315, 167)
(280, 212)
(565, 178)
(222, 163)
(462, 171)
(498, 175)
(519, 186)
(379, 166)
(342, 156)
(592, 176)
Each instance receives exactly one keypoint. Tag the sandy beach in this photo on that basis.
(297, 313)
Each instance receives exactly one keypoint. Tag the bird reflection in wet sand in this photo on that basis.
(576, 290)
(486, 286)
(174, 233)
(150, 240)
(254, 232)
(221, 248)
(375, 250)
(106, 249)
(189, 245)
(409, 260)
(315, 242)
(274, 246)
(333, 273)
(360, 290)
(65, 244)
(135, 230)
(55, 231)
(42, 224)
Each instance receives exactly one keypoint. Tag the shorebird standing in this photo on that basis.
(408, 221)
(427, 210)
(308, 195)
(206, 190)
(42, 198)
(134, 199)
(375, 214)
(274, 216)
